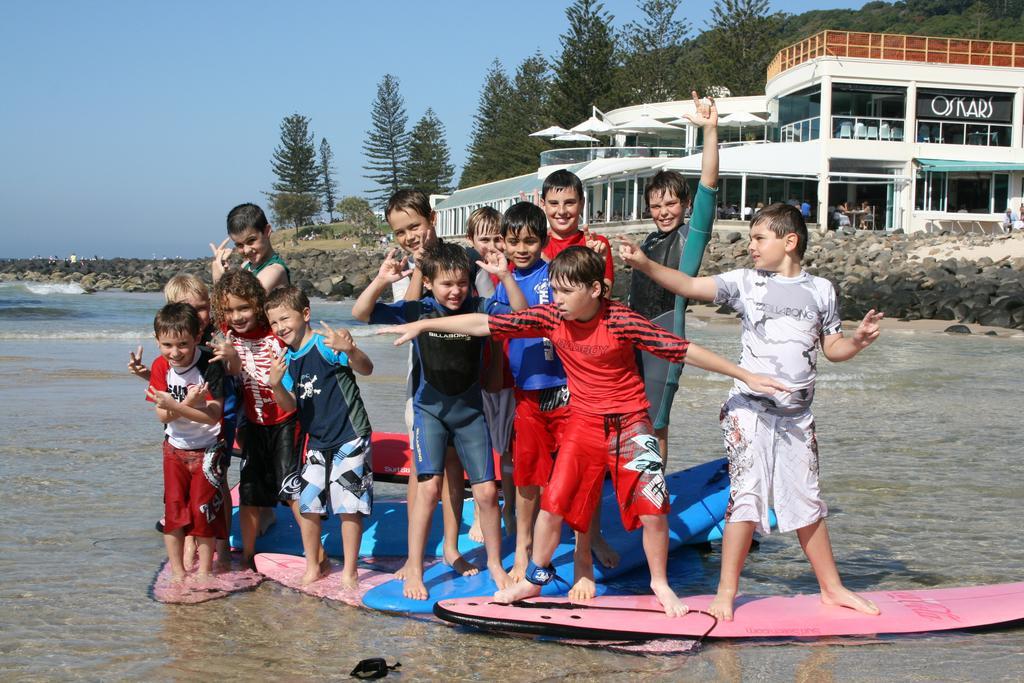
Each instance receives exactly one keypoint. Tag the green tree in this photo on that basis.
(652, 69)
(295, 165)
(584, 71)
(484, 157)
(527, 112)
(387, 141)
(356, 211)
(742, 38)
(294, 208)
(428, 167)
(328, 186)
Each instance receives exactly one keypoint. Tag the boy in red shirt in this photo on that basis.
(609, 426)
(563, 201)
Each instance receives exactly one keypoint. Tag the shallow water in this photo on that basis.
(920, 444)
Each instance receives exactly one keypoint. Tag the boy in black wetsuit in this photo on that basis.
(447, 401)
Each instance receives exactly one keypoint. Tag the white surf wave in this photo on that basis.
(46, 288)
(75, 335)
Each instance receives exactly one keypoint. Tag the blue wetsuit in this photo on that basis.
(447, 404)
(534, 363)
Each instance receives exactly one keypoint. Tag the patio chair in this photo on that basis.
(845, 130)
(883, 131)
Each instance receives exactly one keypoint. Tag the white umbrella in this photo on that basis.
(575, 137)
(549, 132)
(645, 124)
(593, 125)
(739, 119)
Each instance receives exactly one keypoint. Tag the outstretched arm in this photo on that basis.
(699, 357)
(473, 324)
(698, 288)
(838, 348)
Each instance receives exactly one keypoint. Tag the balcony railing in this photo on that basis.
(900, 48)
(801, 131)
(576, 155)
(867, 128)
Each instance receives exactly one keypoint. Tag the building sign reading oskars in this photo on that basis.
(989, 107)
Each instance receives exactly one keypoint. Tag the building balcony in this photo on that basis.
(578, 155)
(867, 128)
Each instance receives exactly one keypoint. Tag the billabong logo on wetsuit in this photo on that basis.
(448, 335)
(306, 385)
(787, 311)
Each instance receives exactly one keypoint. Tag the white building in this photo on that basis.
(925, 133)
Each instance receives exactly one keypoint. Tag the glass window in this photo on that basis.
(937, 194)
(776, 189)
(1000, 192)
(969, 193)
(919, 192)
(800, 105)
(953, 133)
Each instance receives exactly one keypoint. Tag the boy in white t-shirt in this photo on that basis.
(787, 315)
(186, 386)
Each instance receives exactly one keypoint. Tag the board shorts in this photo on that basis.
(591, 444)
(459, 421)
(270, 455)
(773, 458)
(337, 480)
(192, 491)
(540, 419)
(499, 410)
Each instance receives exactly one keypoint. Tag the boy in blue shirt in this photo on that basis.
(315, 376)
(447, 401)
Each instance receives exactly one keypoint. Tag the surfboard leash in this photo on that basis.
(576, 606)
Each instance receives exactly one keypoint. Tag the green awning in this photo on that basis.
(950, 166)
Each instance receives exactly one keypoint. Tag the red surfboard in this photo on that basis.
(392, 457)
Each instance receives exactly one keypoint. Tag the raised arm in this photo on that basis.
(275, 374)
(341, 341)
(698, 288)
(391, 270)
(497, 265)
(838, 348)
(705, 116)
(272, 277)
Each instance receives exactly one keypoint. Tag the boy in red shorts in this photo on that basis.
(609, 425)
(186, 386)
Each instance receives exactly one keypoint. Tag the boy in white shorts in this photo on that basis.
(787, 315)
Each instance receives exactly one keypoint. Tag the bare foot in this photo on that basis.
(844, 597)
(459, 564)
(500, 577)
(721, 606)
(349, 579)
(325, 566)
(401, 571)
(413, 587)
(583, 589)
(222, 556)
(176, 579)
(604, 553)
(474, 532)
(674, 607)
(311, 576)
(519, 591)
(267, 520)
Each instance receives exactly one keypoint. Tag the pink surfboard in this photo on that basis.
(194, 591)
(799, 616)
(289, 569)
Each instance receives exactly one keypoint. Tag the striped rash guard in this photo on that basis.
(598, 355)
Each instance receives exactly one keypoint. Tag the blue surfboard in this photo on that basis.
(698, 498)
(385, 533)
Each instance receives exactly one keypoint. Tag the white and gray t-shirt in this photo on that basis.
(784, 320)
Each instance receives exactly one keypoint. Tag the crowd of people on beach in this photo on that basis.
(516, 347)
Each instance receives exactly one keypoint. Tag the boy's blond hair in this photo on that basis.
(484, 221)
(184, 286)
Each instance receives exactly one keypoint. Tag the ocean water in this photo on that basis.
(921, 465)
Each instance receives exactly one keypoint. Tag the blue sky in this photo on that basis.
(130, 128)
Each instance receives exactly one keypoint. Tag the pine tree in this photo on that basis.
(483, 161)
(328, 186)
(298, 179)
(527, 112)
(428, 167)
(742, 38)
(584, 71)
(652, 69)
(387, 141)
